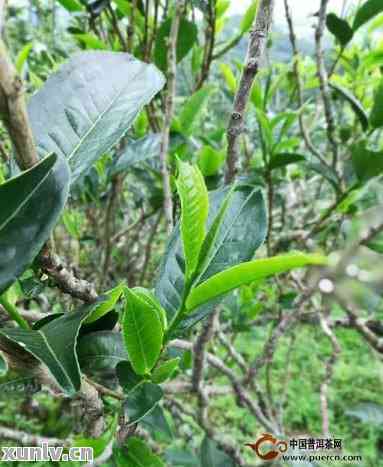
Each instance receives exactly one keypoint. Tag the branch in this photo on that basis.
(169, 107)
(27, 439)
(323, 82)
(52, 265)
(293, 40)
(257, 43)
(329, 367)
(13, 112)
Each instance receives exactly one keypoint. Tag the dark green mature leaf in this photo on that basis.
(377, 244)
(89, 104)
(54, 345)
(101, 351)
(212, 456)
(367, 11)
(247, 272)
(242, 231)
(127, 378)
(156, 421)
(339, 28)
(192, 108)
(194, 212)
(367, 164)
(376, 117)
(283, 159)
(136, 454)
(143, 332)
(187, 36)
(141, 401)
(138, 151)
(24, 225)
(357, 107)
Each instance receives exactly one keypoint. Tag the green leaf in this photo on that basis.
(165, 371)
(137, 151)
(127, 378)
(151, 301)
(85, 108)
(339, 28)
(212, 456)
(283, 159)
(54, 345)
(248, 17)
(71, 5)
(141, 401)
(210, 160)
(221, 7)
(376, 244)
(367, 11)
(228, 75)
(367, 164)
(357, 107)
(376, 117)
(155, 421)
(136, 454)
(143, 332)
(3, 365)
(192, 108)
(24, 225)
(22, 57)
(90, 41)
(242, 231)
(194, 212)
(187, 37)
(111, 298)
(245, 273)
(101, 351)
(98, 444)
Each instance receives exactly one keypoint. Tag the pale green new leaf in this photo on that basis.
(249, 16)
(165, 371)
(22, 57)
(194, 211)
(143, 332)
(151, 301)
(245, 273)
(192, 109)
(111, 298)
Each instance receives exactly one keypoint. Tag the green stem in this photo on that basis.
(13, 313)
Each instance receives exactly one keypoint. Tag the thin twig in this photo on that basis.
(257, 43)
(323, 83)
(169, 107)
